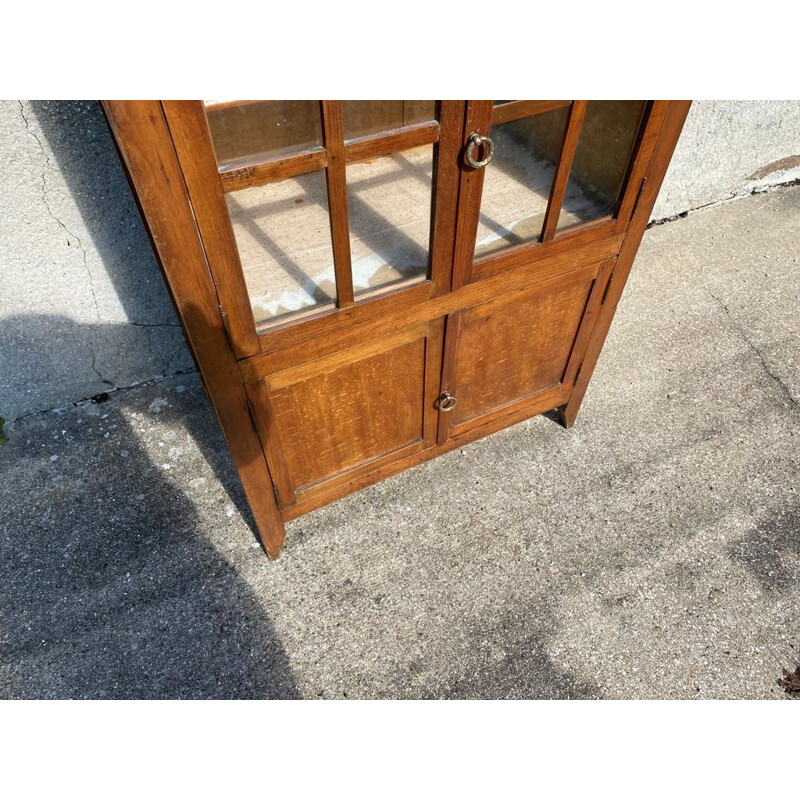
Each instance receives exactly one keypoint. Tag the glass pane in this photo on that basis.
(253, 130)
(516, 184)
(601, 160)
(283, 234)
(364, 117)
(389, 202)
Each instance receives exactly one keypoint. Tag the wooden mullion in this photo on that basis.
(245, 176)
(517, 109)
(335, 173)
(577, 112)
(446, 177)
(381, 144)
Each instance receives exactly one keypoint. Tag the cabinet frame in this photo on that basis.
(169, 164)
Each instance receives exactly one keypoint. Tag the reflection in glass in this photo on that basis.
(283, 234)
(389, 202)
(516, 185)
(601, 160)
(365, 117)
(254, 130)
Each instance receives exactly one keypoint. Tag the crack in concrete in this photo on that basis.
(70, 234)
(46, 200)
(743, 334)
(714, 203)
(111, 390)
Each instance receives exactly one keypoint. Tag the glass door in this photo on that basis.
(307, 207)
(535, 171)
(546, 191)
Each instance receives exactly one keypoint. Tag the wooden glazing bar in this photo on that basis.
(333, 137)
(577, 112)
(384, 143)
(245, 176)
(517, 109)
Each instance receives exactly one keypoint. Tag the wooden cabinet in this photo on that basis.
(367, 284)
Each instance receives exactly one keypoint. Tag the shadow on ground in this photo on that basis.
(108, 587)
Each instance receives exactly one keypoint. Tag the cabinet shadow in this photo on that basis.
(109, 587)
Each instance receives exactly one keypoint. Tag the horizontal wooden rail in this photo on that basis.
(225, 105)
(386, 142)
(245, 176)
(517, 109)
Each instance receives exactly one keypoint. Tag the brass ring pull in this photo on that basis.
(446, 402)
(475, 140)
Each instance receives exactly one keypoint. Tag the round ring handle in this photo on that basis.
(446, 402)
(475, 140)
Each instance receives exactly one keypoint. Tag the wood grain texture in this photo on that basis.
(478, 120)
(260, 173)
(140, 131)
(354, 411)
(446, 174)
(514, 346)
(516, 412)
(391, 315)
(382, 144)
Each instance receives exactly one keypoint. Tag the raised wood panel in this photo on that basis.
(514, 346)
(327, 417)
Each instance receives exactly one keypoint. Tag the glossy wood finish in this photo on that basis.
(192, 142)
(577, 112)
(340, 398)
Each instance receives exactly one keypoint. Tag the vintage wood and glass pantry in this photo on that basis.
(368, 284)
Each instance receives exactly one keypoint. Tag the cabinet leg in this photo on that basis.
(567, 414)
(269, 521)
(272, 533)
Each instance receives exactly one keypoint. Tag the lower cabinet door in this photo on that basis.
(517, 355)
(327, 422)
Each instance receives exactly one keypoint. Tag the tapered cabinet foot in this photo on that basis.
(567, 414)
(272, 537)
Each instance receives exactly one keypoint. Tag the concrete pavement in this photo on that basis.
(653, 551)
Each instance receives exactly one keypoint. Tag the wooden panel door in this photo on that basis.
(518, 354)
(326, 422)
(540, 181)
